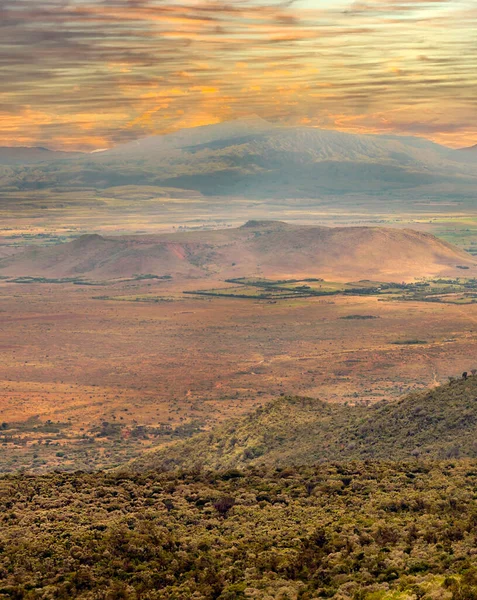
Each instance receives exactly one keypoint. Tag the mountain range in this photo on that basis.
(23, 155)
(251, 157)
(272, 249)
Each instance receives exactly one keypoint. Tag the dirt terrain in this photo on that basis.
(97, 380)
(92, 375)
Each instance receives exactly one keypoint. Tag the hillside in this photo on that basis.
(440, 423)
(253, 158)
(266, 248)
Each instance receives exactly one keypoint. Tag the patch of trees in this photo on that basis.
(353, 531)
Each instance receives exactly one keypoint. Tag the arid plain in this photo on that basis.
(89, 381)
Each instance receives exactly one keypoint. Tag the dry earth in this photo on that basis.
(79, 361)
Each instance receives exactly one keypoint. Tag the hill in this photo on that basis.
(266, 248)
(440, 423)
(253, 158)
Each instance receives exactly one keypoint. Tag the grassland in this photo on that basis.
(450, 291)
(446, 290)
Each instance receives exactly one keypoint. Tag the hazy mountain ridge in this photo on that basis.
(268, 248)
(251, 157)
(24, 155)
(439, 423)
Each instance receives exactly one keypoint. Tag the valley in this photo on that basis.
(117, 345)
(238, 300)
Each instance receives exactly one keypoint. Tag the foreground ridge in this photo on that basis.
(439, 423)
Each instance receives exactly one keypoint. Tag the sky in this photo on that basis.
(89, 74)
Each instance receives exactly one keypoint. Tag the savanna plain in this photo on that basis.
(92, 375)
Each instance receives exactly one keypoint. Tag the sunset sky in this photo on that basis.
(86, 74)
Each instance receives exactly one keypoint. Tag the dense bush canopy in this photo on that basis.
(360, 531)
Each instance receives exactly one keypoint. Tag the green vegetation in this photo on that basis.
(439, 423)
(140, 298)
(450, 291)
(355, 531)
(28, 279)
(359, 317)
(82, 281)
(252, 292)
(264, 289)
(413, 342)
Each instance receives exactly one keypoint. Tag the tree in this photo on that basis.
(223, 505)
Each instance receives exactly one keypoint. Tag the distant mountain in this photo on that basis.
(207, 134)
(254, 158)
(440, 423)
(257, 136)
(470, 149)
(17, 155)
(268, 248)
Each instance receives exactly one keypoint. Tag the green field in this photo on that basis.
(449, 291)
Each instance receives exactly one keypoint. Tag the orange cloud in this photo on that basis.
(93, 72)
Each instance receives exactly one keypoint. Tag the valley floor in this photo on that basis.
(91, 376)
(89, 382)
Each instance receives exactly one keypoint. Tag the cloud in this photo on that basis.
(126, 68)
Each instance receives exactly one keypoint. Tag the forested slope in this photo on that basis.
(439, 423)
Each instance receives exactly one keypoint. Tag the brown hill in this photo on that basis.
(267, 248)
